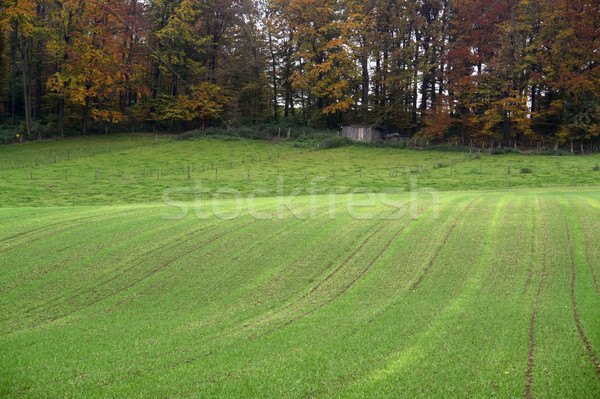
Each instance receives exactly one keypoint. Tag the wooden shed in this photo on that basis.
(362, 132)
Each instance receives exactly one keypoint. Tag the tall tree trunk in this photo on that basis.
(286, 107)
(292, 108)
(274, 72)
(377, 76)
(61, 113)
(13, 86)
(506, 128)
(26, 78)
(303, 104)
(214, 63)
(365, 75)
(385, 69)
(415, 86)
(38, 91)
(85, 116)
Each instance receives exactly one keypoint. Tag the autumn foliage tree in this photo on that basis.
(488, 72)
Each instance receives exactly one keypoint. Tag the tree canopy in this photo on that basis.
(483, 71)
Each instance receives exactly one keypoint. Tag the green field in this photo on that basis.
(104, 293)
(133, 169)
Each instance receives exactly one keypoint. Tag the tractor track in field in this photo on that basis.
(178, 242)
(194, 358)
(527, 391)
(381, 225)
(425, 271)
(587, 253)
(47, 227)
(348, 286)
(185, 361)
(52, 304)
(313, 289)
(266, 239)
(584, 338)
(136, 281)
(27, 214)
(69, 224)
(79, 292)
(289, 322)
(119, 216)
(531, 263)
(188, 360)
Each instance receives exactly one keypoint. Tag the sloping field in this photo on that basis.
(498, 296)
(135, 169)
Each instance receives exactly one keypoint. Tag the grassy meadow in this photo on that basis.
(492, 292)
(137, 169)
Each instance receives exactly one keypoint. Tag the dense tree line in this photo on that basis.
(504, 71)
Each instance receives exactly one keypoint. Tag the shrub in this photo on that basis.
(334, 142)
(597, 168)
(383, 144)
(556, 152)
(447, 148)
(526, 170)
(187, 135)
(506, 150)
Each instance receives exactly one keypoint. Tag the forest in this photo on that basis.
(510, 72)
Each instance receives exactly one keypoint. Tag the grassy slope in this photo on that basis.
(123, 302)
(116, 301)
(125, 163)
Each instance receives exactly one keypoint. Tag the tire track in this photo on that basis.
(133, 283)
(20, 215)
(97, 250)
(56, 302)
(425, 271)
(48, 226)
(337, 295)
(319, 284)
(69, 224)
(187, 360)
(527, 391)
(584, 338)
(82, 291)
(348, 286)
(531, 263)
(179, 241)
(306, 294)
(587, 253)
(122, 273)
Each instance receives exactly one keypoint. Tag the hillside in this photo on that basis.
(487, 288)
